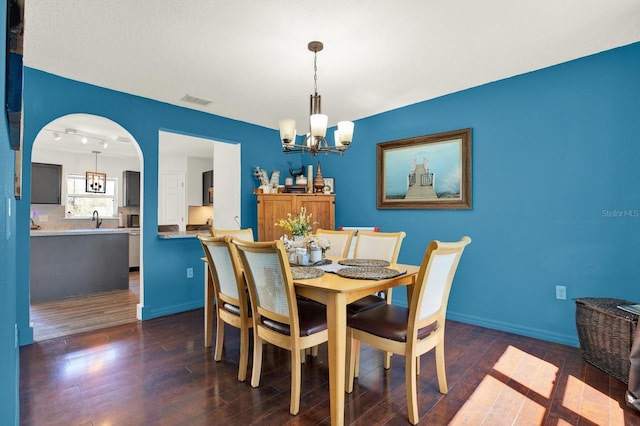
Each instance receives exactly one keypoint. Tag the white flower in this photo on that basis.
(313, 241)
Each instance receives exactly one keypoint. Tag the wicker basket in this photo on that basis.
(606, 334)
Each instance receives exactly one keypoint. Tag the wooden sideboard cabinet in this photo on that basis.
(273, 207)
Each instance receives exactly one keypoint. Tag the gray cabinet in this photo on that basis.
(207, 188)
(131, 186)
(46, 183)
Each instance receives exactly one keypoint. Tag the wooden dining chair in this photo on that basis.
(376, 245)
(229, 288)
(340, 241)
(279, 317)
(414, 330)
(242, 234)
(382, 246)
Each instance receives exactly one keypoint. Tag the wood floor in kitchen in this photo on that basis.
(73, 315)
(158, 372)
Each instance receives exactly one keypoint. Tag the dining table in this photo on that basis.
(335, 292)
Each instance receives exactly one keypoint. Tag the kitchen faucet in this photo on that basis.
(96, 218)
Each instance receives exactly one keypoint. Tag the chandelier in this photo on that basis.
(95, 181)
(315, 141)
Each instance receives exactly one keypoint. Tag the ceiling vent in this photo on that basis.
(195, 100)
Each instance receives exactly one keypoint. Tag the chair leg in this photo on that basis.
(387, 355)
(387, 360)
(351, 362)
(244, 354)
(411, 379)
(311, 351)
(257, 359)
(219, 339)
(356, 351)
(295, 380)
(440, 367)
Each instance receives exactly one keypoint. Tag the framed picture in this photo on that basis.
(329, 185)
(425, 172)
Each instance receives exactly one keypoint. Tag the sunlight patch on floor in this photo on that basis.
(511, 393)
(530, 371)
(594, 405)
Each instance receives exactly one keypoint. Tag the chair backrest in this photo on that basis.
(357, 229)
(225, 272)
(245, 234)
(270, 283)
(378, 245)
(340, 241)
(431, 291)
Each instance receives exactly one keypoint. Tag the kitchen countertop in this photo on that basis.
(99, 231)
(180, 234)
(82, 231)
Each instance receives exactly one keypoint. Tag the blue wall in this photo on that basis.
(9, 361)
(555, 191)
(166, 288)
(554, 156)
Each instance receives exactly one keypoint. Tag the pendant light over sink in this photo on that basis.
(96, 182)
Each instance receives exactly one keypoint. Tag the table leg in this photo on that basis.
(208, 307)
(337, 330)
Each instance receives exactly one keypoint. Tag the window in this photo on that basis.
(81, 204)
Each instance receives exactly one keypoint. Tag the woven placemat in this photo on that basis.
(368, 273)
(364, 262)
(304, 272)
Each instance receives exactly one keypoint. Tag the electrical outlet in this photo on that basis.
(189, 272)
(561, 292)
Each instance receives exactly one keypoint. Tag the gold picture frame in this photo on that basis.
(425, 172)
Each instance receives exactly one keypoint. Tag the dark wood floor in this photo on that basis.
(157, 372)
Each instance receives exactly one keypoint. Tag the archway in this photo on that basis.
(81, 143)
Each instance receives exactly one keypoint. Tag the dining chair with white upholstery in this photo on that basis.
(279, 317)
(376, 245)
(340, 241)
(229, 288)
(382, 246)
(414, 330)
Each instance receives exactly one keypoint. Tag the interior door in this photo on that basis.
(226, 186)
(171, 196)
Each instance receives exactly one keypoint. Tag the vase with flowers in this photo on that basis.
(298, 225)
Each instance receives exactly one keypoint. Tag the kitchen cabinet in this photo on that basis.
(46, 183)
(134, 250)
(273, 207)
(207, 188)
(131, 187)
(65, 264)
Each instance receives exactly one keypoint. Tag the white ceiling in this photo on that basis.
(250, 57)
